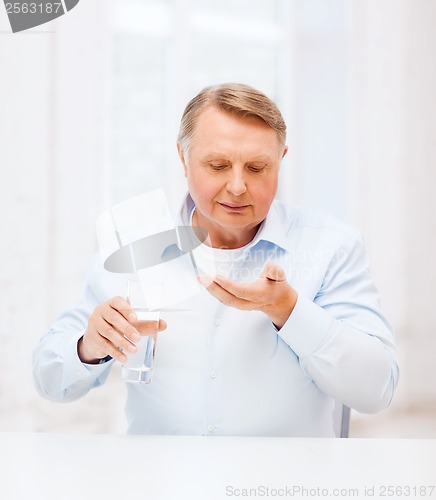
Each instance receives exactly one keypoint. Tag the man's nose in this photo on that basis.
(236, 184)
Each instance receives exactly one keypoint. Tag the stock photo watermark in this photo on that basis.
(300, 491)
(25, 15)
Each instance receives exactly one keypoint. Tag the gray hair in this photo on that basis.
(234, 98)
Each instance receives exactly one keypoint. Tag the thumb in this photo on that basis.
(273, 272)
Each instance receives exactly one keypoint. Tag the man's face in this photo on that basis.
(232, 170)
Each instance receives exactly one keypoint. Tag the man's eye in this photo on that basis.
(218, 166)
(256, 169)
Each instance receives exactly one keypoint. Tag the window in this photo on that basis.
(163, 53)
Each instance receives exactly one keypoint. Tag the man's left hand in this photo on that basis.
(270, 293)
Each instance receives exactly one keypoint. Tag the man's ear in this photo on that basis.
(285, 151)
(182, 158)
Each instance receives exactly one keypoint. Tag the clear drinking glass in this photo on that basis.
(145, 302)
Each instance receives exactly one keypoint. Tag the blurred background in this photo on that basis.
(89, 111)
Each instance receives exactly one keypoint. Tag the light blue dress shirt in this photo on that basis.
(223, 371)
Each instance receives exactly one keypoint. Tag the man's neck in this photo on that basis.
(224, 238)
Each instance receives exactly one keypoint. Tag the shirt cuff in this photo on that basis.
(308, 327)
(74, 368)
(105, 360)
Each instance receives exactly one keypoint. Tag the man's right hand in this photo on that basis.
(111, 326)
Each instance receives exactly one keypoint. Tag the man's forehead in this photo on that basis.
(213, 111)
(216, 125)
(261, 157)
(222, 135)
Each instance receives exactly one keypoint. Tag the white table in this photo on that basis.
(81, 467)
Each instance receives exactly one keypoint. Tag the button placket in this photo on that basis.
(211, 373)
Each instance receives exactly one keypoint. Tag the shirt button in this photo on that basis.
(217, 322)
(210, 428)
(212, 374)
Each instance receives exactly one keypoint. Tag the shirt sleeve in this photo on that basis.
(58, 372)
(343, 341)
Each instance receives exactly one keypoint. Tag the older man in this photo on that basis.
(287, 324)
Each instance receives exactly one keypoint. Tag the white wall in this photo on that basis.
(25, 135)
(393, 160)
(318, 125)
(52, 160)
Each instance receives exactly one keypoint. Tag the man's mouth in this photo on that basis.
(233, 207)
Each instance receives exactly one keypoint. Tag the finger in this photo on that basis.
(151, 327)
(107, 334)
(119, 322)
(273, 272)
(243, 291)
(122, 305)
(110, 348)
(205, 280)
(228, 298)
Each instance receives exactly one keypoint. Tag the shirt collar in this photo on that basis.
(273, 229)
(183, 217)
